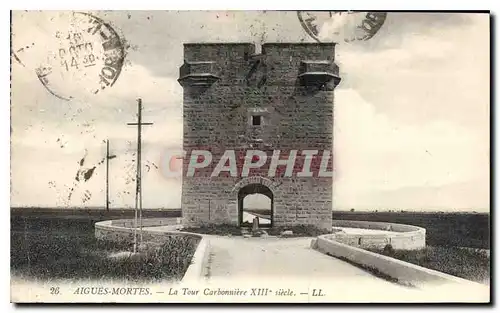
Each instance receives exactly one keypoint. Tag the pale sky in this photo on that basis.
(411, 113)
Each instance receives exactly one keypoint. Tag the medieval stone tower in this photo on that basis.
(241, 107)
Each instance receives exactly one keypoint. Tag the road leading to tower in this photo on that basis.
(270, 257)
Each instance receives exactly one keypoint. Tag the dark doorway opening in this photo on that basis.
(261, 205)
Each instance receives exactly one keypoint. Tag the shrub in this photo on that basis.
(229, 229)
(388, 250)
(215, 229)
(299, 231)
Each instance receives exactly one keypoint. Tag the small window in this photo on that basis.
(256, 120)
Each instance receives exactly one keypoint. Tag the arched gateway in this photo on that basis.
(251, 190)
(258, 123)
(254, 185)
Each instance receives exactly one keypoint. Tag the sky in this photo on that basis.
(411, 115)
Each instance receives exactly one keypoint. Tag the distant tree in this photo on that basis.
(352, 210)
(376, 211)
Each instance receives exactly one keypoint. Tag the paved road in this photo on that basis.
(290, 262)
(238, 257)
(285, 257)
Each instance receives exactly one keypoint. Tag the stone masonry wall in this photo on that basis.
(294, 116)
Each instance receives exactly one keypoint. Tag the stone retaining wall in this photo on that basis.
(402, 237)
(404, 272)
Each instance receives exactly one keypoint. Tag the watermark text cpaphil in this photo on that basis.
(198, 162)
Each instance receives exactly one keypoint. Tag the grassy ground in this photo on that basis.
(299, 231)
(220, 230)
(89, 213)
(55, 249)
(471, 264)
(233, 230)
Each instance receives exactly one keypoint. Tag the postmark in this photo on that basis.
(341, 26)
(78, 55)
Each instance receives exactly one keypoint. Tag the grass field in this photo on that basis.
(472, 264)
(65, 248)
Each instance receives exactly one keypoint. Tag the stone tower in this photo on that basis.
(258, 123)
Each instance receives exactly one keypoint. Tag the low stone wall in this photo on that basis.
(404, 272)
(147, 222)
(123, 231)
(199, 264)
(402, 237)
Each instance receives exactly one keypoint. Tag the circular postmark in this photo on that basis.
(341, 26)
(78, 54)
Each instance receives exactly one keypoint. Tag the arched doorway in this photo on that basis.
(265, 215)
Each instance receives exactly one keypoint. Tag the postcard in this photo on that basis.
(250, 157)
